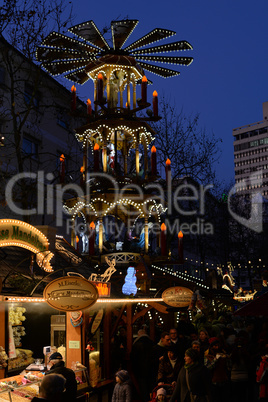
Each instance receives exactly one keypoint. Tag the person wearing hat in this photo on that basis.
(193, 381)
(169, 366)
(58, 367)
(122, 390)
(161, 395)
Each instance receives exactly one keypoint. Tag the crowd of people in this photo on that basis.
(219, 361)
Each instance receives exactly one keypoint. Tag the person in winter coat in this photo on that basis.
(262, 377)
(141, 357)
(218, 363)
(169, 367)
(157, 352)
(122, 390)
(240, 364)
(58, 367)
(203, 338)
(193, 383)
(51, 389)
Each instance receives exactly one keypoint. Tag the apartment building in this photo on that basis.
(37, 127)
(251, 156)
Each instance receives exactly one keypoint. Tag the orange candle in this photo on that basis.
(91, 238)
(163, 239)
(155, 103)
(82, 181)
(100, 87)
(62, 168)
(153, 160)
(144, 89)
(89, 108)
(96, 157)
(73, 106)
(180, 246)
(168, 169)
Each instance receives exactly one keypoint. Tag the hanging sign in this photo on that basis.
(70, 293)
(97, 321)
(177, 296)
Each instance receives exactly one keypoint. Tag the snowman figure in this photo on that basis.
(129, 286)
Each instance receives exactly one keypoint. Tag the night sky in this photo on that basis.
(227, 81)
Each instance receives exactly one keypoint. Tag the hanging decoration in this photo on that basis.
(197, 301)
(129, 287)
(76, 318)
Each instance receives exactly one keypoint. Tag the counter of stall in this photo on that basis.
(23, 387)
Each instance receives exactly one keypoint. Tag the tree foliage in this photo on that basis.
(192, 151)
(24, 23)
(29, 101)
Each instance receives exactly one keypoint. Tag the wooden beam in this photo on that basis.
(159, 307)
(129, 329)
(119, 317)
(140, 314)
(107, 341)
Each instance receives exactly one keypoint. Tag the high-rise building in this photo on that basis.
(251, 156)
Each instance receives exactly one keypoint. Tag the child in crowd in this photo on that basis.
(161, 395)
(122, 390)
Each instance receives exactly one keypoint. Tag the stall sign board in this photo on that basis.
(20, 234)
(70, 293)
(104, 288)
(177, 296)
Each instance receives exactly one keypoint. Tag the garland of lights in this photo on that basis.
(89, 49)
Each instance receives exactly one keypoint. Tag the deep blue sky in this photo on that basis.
(227, 81)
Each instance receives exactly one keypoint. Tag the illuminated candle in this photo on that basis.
(144, 89)
(62, 168)
(100, 87)
(180, 246)
(77, 243)
(153, 160)
(91, 238)
(163, 239)
(155, 103)
(96, 157)
(89, 108)
(168, 169)
(73, 89)
(82, 181)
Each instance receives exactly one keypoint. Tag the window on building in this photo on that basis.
(254, 143)
(63, 119)
(263, 130)
(30, 147)
(30, 95)
(253, 133)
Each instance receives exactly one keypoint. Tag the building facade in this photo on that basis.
(251, 156)
(37, 140)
